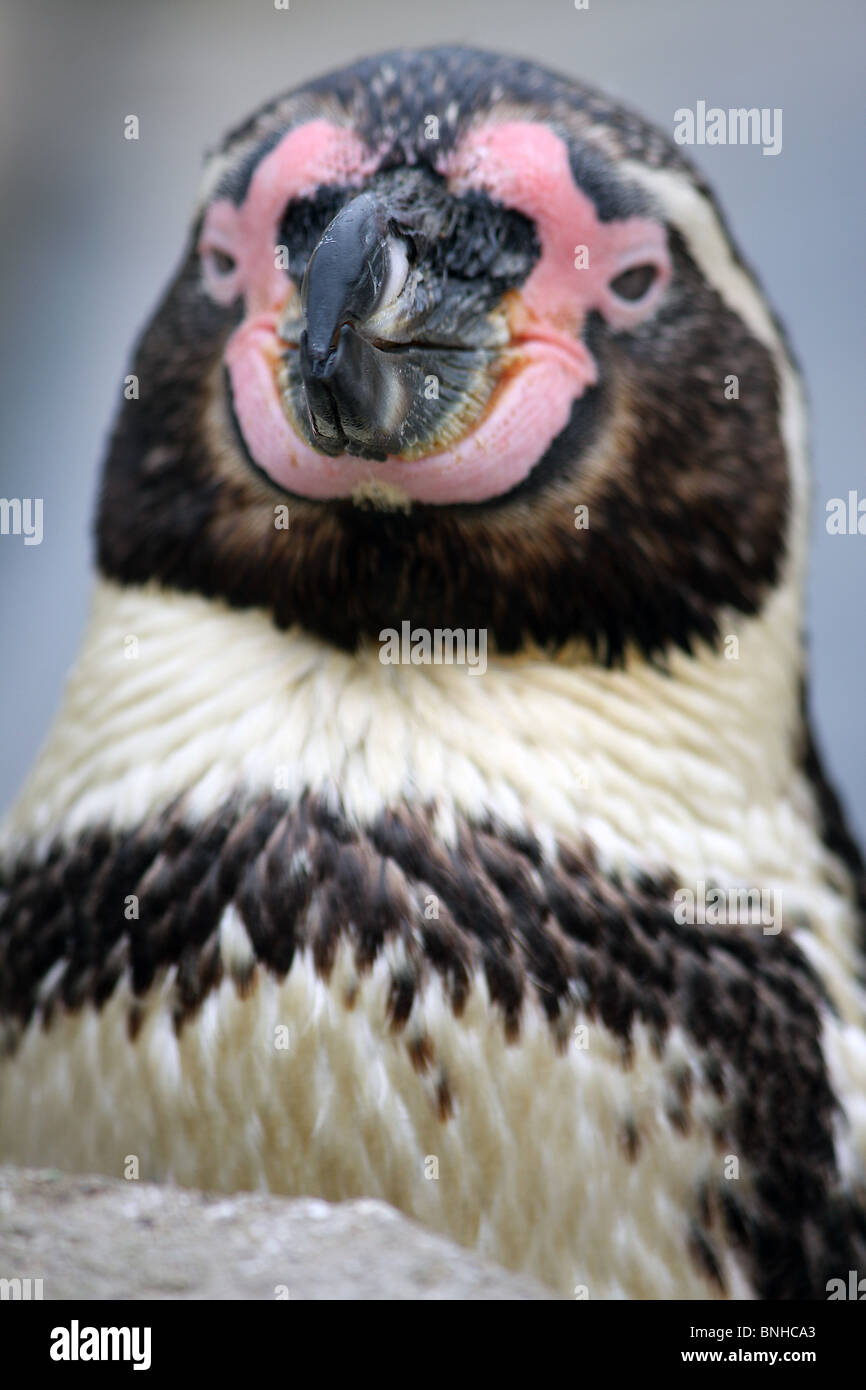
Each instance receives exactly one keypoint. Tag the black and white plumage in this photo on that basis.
(274, 913)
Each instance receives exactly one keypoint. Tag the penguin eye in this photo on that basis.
(633, 284)
(222, 262)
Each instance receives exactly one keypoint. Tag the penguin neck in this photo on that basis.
(693, 768)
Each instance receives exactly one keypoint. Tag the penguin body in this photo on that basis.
(563, 956)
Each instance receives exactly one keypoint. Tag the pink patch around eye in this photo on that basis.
(525, 166)
(311, 155)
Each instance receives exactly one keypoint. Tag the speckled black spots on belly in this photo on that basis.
(551, 934)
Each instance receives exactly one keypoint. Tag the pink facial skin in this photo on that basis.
(316, 153)
(522, 164)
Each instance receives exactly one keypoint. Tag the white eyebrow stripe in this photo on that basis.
(693, 215)
(215, 168)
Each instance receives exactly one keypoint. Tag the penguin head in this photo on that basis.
(460, 342)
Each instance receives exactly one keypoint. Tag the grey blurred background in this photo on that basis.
(91, 226)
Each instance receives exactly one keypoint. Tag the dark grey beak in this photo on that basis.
(399, 346)
(352, 390)
(344, 276)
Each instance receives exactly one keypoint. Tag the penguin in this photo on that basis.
(432, 813)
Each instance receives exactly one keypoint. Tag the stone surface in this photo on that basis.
(94, 1237)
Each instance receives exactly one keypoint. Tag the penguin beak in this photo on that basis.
(380, 330)
(355, 391)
